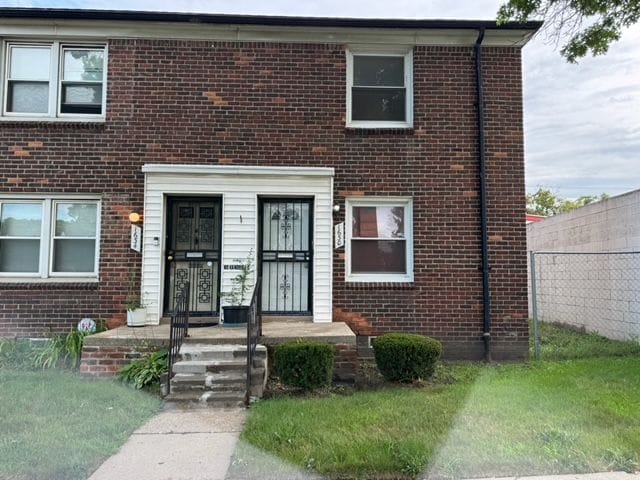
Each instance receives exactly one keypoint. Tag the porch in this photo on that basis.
(105, 353)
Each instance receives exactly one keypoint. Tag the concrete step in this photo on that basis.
(207, 399)
(197, 351)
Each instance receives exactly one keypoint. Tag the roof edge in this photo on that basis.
(260, 20)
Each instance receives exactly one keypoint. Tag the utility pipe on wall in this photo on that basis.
(486, 297)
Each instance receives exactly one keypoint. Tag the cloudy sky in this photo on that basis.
(582, 122)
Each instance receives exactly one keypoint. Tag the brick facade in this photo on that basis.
(250, 103)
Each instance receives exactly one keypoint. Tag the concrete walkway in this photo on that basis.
(583, 476)
(178, 445)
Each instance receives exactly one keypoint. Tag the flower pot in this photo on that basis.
(235, 316)
(137, 317)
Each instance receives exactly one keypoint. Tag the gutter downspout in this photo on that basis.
(486, 297)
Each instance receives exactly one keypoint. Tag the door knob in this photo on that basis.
(170, 258)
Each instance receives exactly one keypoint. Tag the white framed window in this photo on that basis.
(379, 88)
(49, 237)
(379, 239)
(54, 80)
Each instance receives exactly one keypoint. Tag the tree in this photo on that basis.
(545, 202)
(590, 25)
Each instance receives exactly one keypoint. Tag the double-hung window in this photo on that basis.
(54, 80)
(49, 237)
(379, 239)
(379, 89)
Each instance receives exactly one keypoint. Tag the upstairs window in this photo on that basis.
(54, 80)
(379, 89)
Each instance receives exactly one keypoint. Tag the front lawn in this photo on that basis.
(56, 425)
(545, 417)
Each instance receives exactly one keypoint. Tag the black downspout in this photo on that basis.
(486, 297)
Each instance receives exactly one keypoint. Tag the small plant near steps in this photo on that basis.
(216, 375)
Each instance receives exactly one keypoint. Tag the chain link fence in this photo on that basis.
(594, 292)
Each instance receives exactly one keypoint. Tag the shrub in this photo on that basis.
(57, 351)
(305, 365)
(146, 371)
(404, 357)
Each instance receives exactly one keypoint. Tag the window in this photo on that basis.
(54, 80)
(49, 237)
(379, 89)
(379, 240)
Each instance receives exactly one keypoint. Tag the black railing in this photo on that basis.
(254, 331)
(179, 329)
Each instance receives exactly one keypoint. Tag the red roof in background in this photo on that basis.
(534, 218)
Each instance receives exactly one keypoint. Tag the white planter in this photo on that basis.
(137, 317)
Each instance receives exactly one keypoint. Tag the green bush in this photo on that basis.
(305, 365)
(146, 371)
(405, 357)
(57, 351)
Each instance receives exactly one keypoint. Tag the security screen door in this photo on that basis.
(285, 255)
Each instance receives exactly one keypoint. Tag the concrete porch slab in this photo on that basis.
(273, 333)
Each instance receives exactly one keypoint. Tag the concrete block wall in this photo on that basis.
(598, 289)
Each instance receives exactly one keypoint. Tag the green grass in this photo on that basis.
(56, 425)
(558, 342)
(546, 417)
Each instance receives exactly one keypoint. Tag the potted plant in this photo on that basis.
(136, 314)
(236, 313)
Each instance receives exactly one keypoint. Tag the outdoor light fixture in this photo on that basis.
(135, 217)
(336, 208)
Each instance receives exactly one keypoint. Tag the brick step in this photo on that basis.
(196, 351)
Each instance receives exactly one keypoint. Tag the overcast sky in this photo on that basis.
(582, 122)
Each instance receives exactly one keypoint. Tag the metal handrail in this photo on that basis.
(254, 331)
(179, 329)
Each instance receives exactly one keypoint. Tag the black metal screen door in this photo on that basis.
(286, 251)
(193, 253)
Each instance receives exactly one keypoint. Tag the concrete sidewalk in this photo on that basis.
(574, 476)
(178, 445)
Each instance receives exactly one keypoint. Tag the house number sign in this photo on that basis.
(338, 235)
(136, 238)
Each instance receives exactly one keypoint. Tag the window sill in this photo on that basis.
(351, 285)
(89, 122)
(365, 131)
(34, 283)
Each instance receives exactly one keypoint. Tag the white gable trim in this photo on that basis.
(238, 170)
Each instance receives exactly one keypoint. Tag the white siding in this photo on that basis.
(239, 189)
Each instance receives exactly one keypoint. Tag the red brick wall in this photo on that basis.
(284, 104)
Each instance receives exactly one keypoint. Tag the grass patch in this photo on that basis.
(562, 417)
(562, 342)
(56, 425)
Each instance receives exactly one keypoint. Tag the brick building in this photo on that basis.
(239, 135)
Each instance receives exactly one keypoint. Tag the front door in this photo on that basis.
(285, 255)
(193, 253)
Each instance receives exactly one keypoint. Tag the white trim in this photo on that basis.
(372, 201)
(393, 51)
(55, 81)
(237, 170)
(111, 29)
